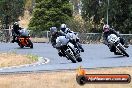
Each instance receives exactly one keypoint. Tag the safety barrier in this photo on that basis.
(85, 38)
(97, 38)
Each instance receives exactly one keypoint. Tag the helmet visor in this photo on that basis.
(63, 29)
(106, 29)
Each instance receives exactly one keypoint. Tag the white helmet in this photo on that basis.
(16, 23)
(106, 28)
(63, 26)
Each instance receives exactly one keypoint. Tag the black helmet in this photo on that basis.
(53, 30)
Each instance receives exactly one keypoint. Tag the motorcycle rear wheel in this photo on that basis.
(79, 59)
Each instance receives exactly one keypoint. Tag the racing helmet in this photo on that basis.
(106, 28)
(16, 24)
(63, 27)
(53, 30)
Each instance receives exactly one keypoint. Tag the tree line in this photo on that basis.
(10, 10)
(120, 14)
(47, 13)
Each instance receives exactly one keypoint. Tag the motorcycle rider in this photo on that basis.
(66, 30)
(106, 32)
(15, 31)
(54, 34)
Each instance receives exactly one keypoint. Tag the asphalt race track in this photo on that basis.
(95, 56)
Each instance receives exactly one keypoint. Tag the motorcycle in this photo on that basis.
(24, 39)
(113, 40)
(25, 42)
(68, 49)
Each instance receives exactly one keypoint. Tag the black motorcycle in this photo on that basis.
(114, 41)
(68, 49)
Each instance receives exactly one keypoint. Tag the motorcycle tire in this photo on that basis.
(71, 57)
(123, 51)
(81, 80)
(79, 59)
(21, 46)
(30, 43)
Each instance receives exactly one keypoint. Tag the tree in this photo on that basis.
(92, 13)
(76, 6)
(10, 10)
(49, 13)
(121, 18)
(120, 15)
(29, 5)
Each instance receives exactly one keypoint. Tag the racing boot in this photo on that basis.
(80, 47)
(82, 50)
(12, 41)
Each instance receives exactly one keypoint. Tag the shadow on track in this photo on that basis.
(117, 57)
(64, 63)
(23, 48)
(70, 63)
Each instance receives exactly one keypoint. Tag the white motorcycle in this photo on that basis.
(67, 47)
(113, 40)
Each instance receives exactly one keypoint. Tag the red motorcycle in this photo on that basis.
(24, 42)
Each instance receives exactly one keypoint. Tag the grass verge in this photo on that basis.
(39, 40)
(63, 79)
(32, 57)
(14, 59)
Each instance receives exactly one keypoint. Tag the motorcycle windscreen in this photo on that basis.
(112, 38)
(61, 40)
(24, 32)
(71, 36)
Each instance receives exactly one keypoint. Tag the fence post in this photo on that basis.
(48, 36)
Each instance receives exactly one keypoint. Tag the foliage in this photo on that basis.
(120, 13)
(49, 13)
(29, 4)
(10, 10)
(32, 57)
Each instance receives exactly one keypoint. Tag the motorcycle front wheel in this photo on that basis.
(21, 46)
(72, 58)
(123, 51)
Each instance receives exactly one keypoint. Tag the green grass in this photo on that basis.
(32, 57)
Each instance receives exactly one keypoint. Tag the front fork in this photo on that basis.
(120, 45)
